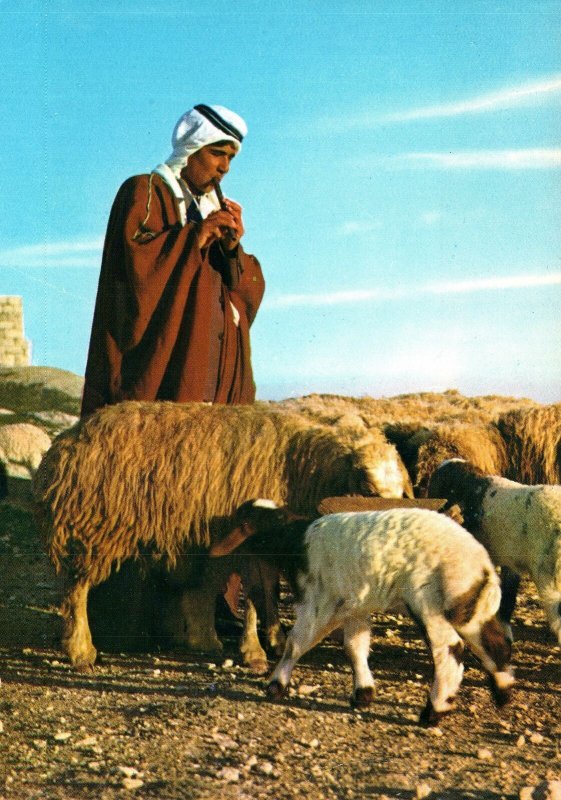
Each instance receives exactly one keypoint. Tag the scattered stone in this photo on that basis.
(224, 741)
(304, 690)
(62, 736)
(89, 741)
(39, 744)
(132, 783)
(422, 791)
(251, 762)
(128, 772)
(484, 754)
(1, 726)
(266, 768)
(536, 738)
(229, 774)
(227, 664)
(521, 741)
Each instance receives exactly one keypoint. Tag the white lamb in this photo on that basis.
(519, 525)
(343, 567)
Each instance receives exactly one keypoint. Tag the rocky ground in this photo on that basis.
(180, 725)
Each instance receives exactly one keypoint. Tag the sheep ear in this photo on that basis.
(231, 541)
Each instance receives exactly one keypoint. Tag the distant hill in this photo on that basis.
(24, 390)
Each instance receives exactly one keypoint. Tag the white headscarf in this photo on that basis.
(200, 126)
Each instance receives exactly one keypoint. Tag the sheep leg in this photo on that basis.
(76, 636)
(447, 652)
(198, 608)
(310, 627)
(510, 581)
(491, 646)
(551, 600)
(357, 647)
(250, 646)
(261, 581)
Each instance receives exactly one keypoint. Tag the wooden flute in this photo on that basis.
(230, 232)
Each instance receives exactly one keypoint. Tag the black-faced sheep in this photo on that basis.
(343, 567)
(519, 525)
(157, 480)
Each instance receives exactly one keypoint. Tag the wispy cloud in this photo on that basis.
(541, 91)
(407, 292)
(536, 158)
(85, 253)
(509, 97)
(352, 227)
(430, 217)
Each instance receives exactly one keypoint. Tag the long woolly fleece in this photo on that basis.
(153, 478)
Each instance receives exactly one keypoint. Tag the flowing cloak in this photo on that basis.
(164, 325)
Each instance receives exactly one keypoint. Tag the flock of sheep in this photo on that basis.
(168, 484)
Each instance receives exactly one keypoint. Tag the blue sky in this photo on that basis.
(401, 179)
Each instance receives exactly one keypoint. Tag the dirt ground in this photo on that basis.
(180, 725)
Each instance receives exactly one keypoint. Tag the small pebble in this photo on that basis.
(484, 754)
(521, 741)
(251, 762)
(62, 736)
(266, 768)
(304, 690)
(128, 772)
(132, 783)
(422, 791)
(223, 741)
(229, 774)
(39, 744)
(536, 738)
(89, 741)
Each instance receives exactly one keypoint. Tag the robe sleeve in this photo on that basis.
(245, 282)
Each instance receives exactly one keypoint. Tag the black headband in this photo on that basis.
(218, 121)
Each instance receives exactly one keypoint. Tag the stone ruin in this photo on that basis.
(15, 349)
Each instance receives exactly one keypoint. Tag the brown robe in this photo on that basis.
(163, 327)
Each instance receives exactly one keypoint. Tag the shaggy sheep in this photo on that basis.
(343, 567)
(157, 480)
(533, 438)
(21, 448)
(481, 444)
(519, 525)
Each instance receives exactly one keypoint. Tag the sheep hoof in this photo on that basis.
(276, 691)
(501, 696)
(84, 669)
(258, 666)
(84, 663)
(429, 717)
(362, 697)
